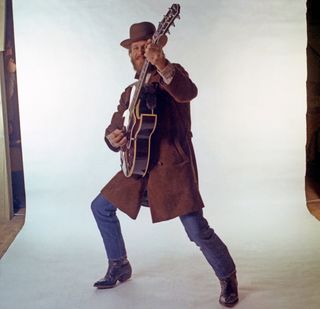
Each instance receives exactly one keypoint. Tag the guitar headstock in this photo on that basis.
(174, 10)
(167, 21)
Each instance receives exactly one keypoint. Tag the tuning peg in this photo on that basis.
(178, 17)
(173, 24)
(169, 32)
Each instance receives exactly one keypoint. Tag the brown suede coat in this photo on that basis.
(172, 182)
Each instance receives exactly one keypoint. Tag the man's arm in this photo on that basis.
(174, 79)
(180, 86)
(114, 135)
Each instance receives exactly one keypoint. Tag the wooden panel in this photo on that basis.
(6, 211)
(2, 24)
(9, 231)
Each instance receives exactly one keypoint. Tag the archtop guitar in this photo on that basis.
(139, 126)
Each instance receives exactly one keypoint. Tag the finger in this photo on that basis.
(151, 48)
(123, 141)
(112, 141)
(118, 138)
(117, 131)
(120, 143)
(114, 134)
(109, 137)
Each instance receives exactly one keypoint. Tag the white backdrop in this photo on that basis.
(246, 57)
(248, 60)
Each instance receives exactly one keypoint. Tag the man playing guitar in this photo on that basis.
(170, 184)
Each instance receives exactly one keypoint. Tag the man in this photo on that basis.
(170, 188)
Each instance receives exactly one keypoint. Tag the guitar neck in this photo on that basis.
(141, 82)
(163, 28)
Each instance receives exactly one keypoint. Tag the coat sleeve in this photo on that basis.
(181, 87)
(117, 118)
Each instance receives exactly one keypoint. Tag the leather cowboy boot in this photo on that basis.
(117, 271)
(229, 291)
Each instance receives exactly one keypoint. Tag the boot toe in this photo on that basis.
(229, 291)
(229, 301)
(116, 272)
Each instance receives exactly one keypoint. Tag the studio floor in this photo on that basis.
(58, 255)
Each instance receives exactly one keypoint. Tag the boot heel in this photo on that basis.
(124, 278)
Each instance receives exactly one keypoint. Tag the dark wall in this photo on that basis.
(313, 108)
(18, 190)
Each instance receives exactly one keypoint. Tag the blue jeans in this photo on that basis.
(196, 226)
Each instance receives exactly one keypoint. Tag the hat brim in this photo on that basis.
(127, 43)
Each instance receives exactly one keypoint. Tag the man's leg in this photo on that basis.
(216, 253)
(108, 223)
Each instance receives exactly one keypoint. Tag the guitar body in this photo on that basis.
(140, 123)
(135, 155)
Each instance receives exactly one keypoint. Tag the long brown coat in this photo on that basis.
(172, 182)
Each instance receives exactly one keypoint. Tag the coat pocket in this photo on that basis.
(172, 154)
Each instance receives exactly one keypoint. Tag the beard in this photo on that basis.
(138, 63)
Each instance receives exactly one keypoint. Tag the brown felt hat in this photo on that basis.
(142, 31)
